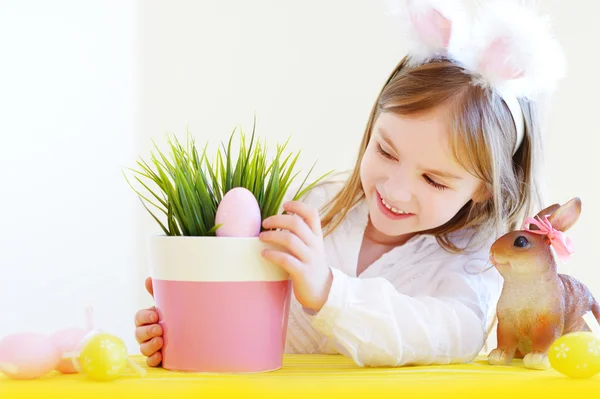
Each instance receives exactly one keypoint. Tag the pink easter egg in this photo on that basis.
(68, 340)
(27, 356)
(239, 214)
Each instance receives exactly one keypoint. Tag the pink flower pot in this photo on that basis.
(223, 307)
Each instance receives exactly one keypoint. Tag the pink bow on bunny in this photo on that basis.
(561, 243)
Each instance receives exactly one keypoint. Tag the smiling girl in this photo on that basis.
(388, 261)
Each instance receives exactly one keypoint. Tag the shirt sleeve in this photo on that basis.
(375, 325)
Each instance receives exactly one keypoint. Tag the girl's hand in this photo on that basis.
(148, 332)
(304, 259)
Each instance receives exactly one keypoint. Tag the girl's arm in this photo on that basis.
(375, 325)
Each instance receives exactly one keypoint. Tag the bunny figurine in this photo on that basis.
(537, 304)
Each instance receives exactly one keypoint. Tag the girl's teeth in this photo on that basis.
(397, 211)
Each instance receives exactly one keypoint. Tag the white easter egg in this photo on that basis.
(238, 214)
(576, 354)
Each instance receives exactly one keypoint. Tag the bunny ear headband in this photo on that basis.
(508, 48)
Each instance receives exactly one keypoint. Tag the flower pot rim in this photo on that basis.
(208, 258)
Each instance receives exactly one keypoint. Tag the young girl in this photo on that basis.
(390, 263)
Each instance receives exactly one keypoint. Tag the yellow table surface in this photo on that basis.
(308, 376)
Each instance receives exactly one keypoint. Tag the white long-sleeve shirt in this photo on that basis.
(416, 304)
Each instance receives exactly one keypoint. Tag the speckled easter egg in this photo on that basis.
(103, 357)
(576, 355)
(28, 355)
(238, 214)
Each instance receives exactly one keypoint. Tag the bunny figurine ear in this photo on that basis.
(567, 215)
(546, 212)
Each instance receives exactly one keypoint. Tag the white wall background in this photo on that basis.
(68, 123)
(84, 86)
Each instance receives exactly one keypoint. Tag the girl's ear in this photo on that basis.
(482, 194)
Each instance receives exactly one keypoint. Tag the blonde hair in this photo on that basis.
(482, 138)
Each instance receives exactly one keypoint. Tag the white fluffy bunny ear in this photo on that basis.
(513, 50)
(433, 28)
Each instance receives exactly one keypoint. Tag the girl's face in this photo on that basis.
(410, 179)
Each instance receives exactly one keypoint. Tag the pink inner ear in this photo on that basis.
(433, 28)
(496, 61)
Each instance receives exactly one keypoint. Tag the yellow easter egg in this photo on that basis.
(576, 354)
(103, 357)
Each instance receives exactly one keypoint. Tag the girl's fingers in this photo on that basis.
(287, 240)
(146, 333)
(151, 347)
(293, 223)
(154, 360)
(146, 316)
(286, 261)
(309, 214)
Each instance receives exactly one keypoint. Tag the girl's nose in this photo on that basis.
(398, 188)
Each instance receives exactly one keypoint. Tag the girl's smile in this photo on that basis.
(391, 211)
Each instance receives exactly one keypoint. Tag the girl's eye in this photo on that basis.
(383, 153)
(440, 187)
(387, 155)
